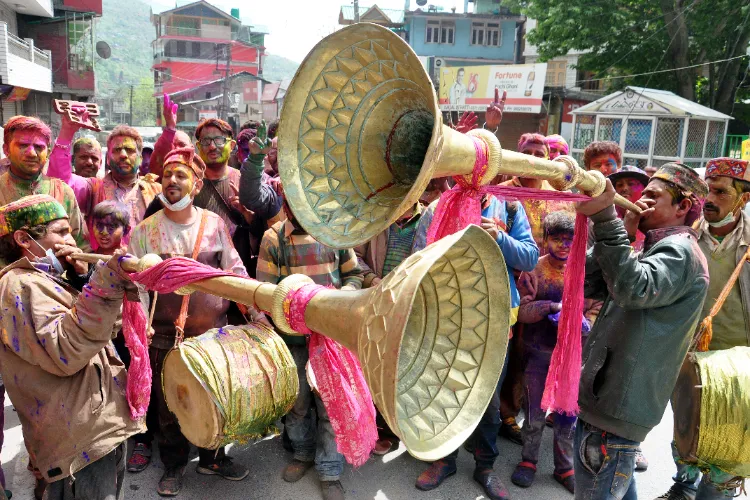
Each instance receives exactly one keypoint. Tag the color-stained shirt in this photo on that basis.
(13, 188)
(90, 191)
(400, 243)
(228, 187)
(537, 210)
(161, 236)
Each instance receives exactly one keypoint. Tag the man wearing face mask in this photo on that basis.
(26, 144)
(122, 183)
(68, 384)
(181, 229)
(723, 236)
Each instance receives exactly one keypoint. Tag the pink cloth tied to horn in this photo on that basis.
(462, 205)
(341, 383)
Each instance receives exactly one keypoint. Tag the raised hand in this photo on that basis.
(494, 113)
(468, 121)
(260, 143)
(68, 128)
(170, 113)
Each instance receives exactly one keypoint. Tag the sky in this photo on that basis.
(297, 25)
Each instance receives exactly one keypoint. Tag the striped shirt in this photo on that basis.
(299, 253)
(400, 243)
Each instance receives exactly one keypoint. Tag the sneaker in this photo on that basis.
(490, 481)
(567, 479)
(510, 430)
(332, 490)
(677, 492)
(524, 474)
(140, 458)
(641, 462)
(382, 447)
(296, 470)
(170, 483)
(225, 468)
(435, 475)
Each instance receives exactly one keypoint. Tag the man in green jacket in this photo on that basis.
(652, 304)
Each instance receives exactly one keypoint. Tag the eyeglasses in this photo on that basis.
(218, 141)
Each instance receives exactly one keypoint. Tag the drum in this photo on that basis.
(711, 407)
(230, 384)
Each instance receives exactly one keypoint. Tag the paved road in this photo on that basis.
(387, 478)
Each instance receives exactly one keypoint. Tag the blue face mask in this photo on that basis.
(49, 258)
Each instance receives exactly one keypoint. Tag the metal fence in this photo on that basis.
(734, 145)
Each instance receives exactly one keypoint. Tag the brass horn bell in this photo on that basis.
(361, 135)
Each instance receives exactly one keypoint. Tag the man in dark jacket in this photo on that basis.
(652, 305)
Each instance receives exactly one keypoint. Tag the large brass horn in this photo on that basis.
(361, 135)
(431, 337)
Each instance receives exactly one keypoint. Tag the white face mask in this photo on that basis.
(49, 258)
(175, 207)
(729, 218)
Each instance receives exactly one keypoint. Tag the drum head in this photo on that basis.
(686, 405)
(196, 413)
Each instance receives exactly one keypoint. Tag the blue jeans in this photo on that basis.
(604, 465)
(484, 436)
(311, 441)
(709, 487)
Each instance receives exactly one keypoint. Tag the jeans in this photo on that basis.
(709, 487)
(174, 448)
(311, 442)
(484, 436)
(102, 480)
(533, 427)
(604, 465)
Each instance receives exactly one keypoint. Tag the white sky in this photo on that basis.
(297, 25)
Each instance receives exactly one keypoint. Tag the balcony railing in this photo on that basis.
(180, 31)
(24, 65)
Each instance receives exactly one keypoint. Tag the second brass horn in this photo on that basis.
(431, 337)
(361, 136)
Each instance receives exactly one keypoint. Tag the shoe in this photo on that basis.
(567, 479)
(140, 458)
(296, 470)
(510, 430)
(677, 492)
(490, 481)
(8, 494)
(524, 474)
(225, 468)
(550, 420)
(170, 483)
(435, 475)
(382, 447)
(332, 490)
(469, 445)
(641, 462)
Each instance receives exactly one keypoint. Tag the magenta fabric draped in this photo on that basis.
(462, 205)
(138, 390)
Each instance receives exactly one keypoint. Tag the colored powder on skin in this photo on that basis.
(113, 162)
(226, 151)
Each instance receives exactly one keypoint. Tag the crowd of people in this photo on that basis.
(219, 200)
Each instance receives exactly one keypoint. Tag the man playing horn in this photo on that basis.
(64, 377)
(723, 236)
(652, 304)
(26, 144)
(181, 229)
(507, 223)
(122, 183)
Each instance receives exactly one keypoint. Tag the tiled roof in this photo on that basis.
(396, 16)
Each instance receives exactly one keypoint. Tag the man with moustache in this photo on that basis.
(122, 183)
(181, 229)
(87, 156)
(26, 144)
(723, 236)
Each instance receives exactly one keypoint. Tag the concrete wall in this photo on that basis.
(462, 40)
(8, 16)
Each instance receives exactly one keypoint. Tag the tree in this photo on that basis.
(630, 37)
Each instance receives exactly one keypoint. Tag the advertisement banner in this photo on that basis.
(472, 88)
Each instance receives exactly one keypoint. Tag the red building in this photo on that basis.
(196, 43)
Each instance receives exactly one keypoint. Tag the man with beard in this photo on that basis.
(723, 236)
(181, 229)
(64, 378)
(122, 183)
(26, 144)
(652, 304)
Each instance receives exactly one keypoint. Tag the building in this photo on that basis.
(388, 18)
(207, 100)
(273, 99)
(199, 43)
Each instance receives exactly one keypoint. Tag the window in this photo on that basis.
(487, 34)
(196, 49)
(440, 32)
(181, 48)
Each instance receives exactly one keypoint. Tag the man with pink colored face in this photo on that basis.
(557, 146)
(604, 156)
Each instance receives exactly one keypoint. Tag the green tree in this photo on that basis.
(630, 37)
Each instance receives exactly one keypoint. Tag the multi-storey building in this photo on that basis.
(199, 43)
